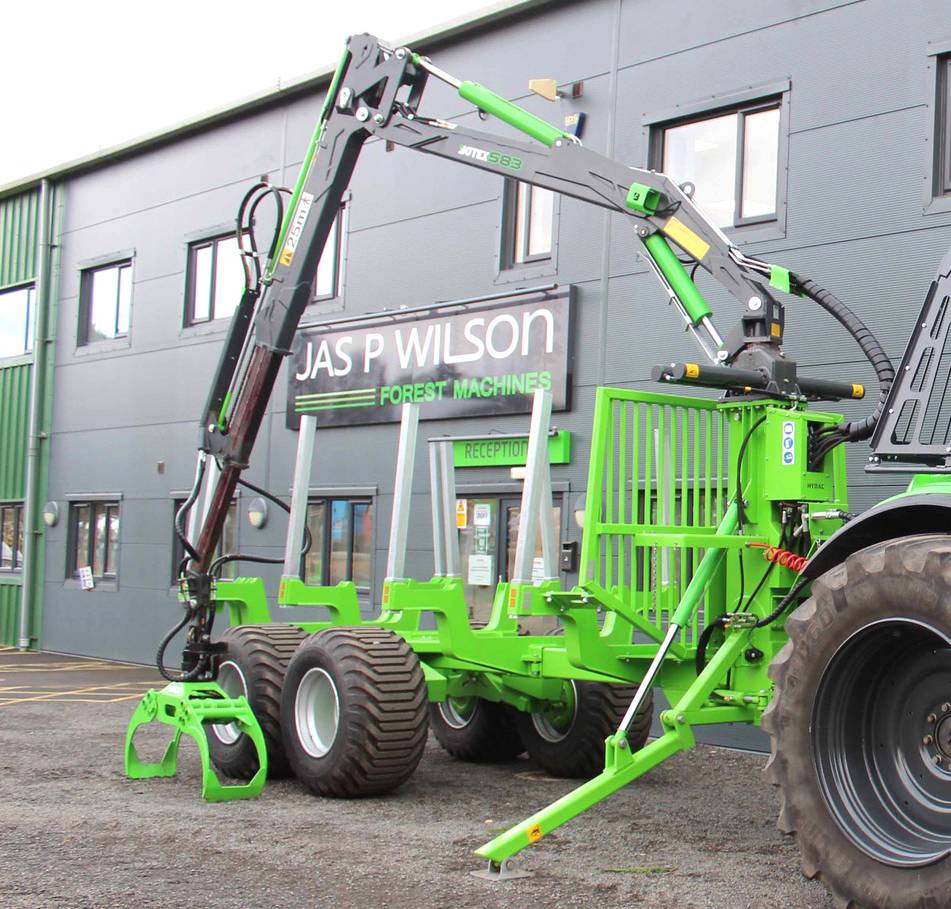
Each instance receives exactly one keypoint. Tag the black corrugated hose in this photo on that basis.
(855, 430)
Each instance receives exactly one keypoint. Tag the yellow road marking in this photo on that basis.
(66, 667)
(96, 694)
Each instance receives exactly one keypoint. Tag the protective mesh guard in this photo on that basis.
(916, 425)
(657, 486)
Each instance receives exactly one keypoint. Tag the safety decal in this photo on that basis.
(296, 228)
(789, 442)
(686, 239)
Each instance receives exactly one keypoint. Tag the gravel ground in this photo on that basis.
(696, 832)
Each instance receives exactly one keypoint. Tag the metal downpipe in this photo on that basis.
(35, 435)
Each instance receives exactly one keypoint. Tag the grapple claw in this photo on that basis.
(187, 707)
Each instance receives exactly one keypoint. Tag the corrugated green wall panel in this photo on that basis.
(18, 231)
(14, 416)
(9, 612)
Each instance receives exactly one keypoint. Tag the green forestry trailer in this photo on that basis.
(719, 560)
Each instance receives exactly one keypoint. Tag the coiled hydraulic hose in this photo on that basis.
(855, 430)
(776, 555)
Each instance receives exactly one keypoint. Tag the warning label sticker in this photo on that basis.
(296, 228)
(789, 442)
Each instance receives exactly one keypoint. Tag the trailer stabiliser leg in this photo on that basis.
(621, 766)
(187, 707)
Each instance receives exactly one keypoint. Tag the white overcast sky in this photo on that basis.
(81, 76)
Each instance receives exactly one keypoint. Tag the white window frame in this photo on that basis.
(28, 328)
(745, 101)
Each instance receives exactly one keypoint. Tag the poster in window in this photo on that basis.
(86, 581)
(480, 570)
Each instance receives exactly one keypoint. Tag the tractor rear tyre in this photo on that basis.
(860, 726)
(254, 666)
(354, 712)
(476, 730)
(567, 739)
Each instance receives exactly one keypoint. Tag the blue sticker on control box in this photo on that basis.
(789, 442)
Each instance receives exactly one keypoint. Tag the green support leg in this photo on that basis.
(187, 707)
(621, 767)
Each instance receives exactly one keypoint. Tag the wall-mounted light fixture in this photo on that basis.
(581, 504)
(51, 514)
(257, 513)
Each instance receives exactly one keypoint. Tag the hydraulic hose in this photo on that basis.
(185, 508)
(160, 654)
(884, 371)
(855, 430)
(740, 503)
(221, 561)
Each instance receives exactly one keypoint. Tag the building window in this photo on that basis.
(528, 220)
(942, 145)
(227, 544)
(11, 537)
(214, 282)
(732, 159)
(94, 538)
(327, 280)
(16, 321)
(341, 542)
(214, 279)
(105, 299)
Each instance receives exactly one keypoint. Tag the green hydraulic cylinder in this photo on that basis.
(672, 269)
(510, 113)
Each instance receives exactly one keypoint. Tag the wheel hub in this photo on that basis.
(317, 712)
(942, 735)
(554, 722)
(232, 681)
(458, 712)
(881, 741)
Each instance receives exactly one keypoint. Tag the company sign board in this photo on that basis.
(454, 361)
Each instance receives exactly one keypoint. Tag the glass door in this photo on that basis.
(488, 532)
(477, 521)
(513, 510)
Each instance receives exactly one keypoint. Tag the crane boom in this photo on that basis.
(375, 93)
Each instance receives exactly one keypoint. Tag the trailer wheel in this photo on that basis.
(567, 738)
(473, 729)
(257, 659)
(354, 712)
(860, 726)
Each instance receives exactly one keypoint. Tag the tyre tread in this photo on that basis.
(267, 649)
(386, 717)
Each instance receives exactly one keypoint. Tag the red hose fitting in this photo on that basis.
(782, 557)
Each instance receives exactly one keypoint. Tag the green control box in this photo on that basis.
(786, 455)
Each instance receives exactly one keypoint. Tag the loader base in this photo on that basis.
(187, 707)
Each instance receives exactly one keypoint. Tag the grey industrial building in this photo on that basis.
(816, 132)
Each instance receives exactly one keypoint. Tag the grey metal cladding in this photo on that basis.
(860, 112)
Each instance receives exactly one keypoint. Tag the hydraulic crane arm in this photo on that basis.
(375, 93)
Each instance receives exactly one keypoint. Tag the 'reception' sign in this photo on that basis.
(474, 360)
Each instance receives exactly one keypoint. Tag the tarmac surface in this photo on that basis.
(696, 833)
